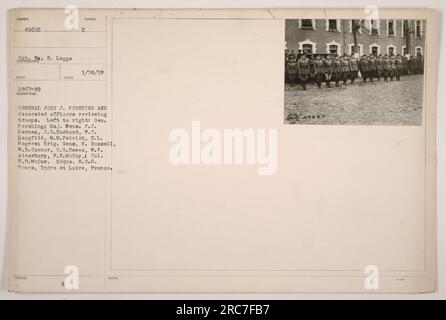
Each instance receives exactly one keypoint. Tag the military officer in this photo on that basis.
(372, 67)
(299, 54)
(303, 70)
(319, 71)
(405, 65)
(399, 67)
(364, 68)
(353, 68)
(420, 64)
(292, 68)
(312, 75)
(286, 64)
(392, 67)
(328, 70)
(337, 70)
(387, 66)
(345, 64)
(379, 67)
(411, 65)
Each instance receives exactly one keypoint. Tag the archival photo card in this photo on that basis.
(154, 150)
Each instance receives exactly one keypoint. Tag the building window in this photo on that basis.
(404, 50)
(333, 49)
(391, 28)
(405, 27)
(374, 27)
(391, 50)
(332, 25)
(307, 48)
(418, 29)
(307, 24)
(375, 49)
(351, 49)
(419, 51)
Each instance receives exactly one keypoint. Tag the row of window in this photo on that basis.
(372, 26)
(308, 46)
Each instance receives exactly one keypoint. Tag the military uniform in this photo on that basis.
(393, 67)
(399, 67)
(411, 65)
(345, 64)
(312, 75)
(291, 66)
(420, 65)
(405, 65)
(354, 68)
(319, 72)
(337, 71)
(387, 66)
(303, 70)
(372, 67)
(379, 67)
(364, 68)
(328, 70)
(299, 54)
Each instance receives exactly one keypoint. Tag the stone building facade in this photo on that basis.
(336, 36)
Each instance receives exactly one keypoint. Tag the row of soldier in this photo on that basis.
(328, 68)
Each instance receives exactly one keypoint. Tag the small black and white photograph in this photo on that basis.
(354, 72)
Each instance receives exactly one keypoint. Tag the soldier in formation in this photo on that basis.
(415, 65)
(291, 67)
(364, 68)
(354, 68)
(303, 70)
(379, 67)
(307, 69)
(399, 67)
(328, 70)
(387, 65)
(319, 71)
(346, 68)
(337, 70)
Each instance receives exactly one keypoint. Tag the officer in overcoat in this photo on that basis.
(354, 68)
(399, 67)
(393, 67)
(337, 70)
(291, 66)
(345, 64)
(387, 66)
(328, 69)
(364, 68)
(379, 67)
(372, 67)
(319, 73)
(303, 70)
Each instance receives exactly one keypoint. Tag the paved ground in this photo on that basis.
(373, 103)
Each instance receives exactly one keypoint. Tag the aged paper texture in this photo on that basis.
(157, 151)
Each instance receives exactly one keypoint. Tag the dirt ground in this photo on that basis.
(372, 103)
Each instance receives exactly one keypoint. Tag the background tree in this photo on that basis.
(357, 26)
(407, 33)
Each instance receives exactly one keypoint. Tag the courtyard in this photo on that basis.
(371, 103)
